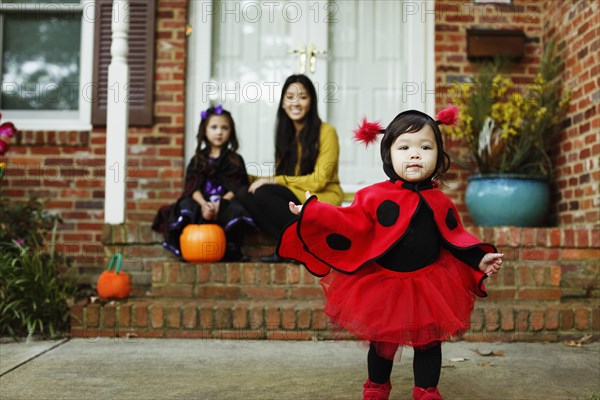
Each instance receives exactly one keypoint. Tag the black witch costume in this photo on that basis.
(224, 174)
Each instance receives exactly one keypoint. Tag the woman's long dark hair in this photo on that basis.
(286, 154)
(409, 122)
(204, 147)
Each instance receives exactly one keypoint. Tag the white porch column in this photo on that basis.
(117, 117)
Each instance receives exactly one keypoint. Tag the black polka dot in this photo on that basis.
(451, 221)
(387, 213)
(338, 242)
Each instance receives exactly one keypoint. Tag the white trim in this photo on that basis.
(86, 65)
(198, 69)
(41, 7)
(117, 118)
(80, 120)
(430, 58)
(34, 124)
(419, 30)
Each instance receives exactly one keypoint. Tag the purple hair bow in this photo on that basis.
(217, 110)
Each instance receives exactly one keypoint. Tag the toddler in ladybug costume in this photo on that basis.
(397, 266)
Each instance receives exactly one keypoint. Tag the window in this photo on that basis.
(46, 50)
(54, 57)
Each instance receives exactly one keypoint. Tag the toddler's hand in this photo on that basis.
(295, 209)
(491, 263)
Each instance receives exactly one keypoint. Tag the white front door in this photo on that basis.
(372, 58)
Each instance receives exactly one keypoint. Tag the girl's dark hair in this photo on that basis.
(409, 122)
(286, 153)
(204, 147)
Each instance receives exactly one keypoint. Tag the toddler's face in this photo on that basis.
(218, 131)
(296, 102)
(414, 155)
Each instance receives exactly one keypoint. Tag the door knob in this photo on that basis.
(302, 59)
(313, 52)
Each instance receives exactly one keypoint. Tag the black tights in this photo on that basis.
(269, 207)
(427, 365)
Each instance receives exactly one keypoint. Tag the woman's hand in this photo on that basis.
(258, 183)
(296, 209)
(491, 263)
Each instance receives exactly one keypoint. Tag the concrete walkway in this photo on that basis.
(245, 370)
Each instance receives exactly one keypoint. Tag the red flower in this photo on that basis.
(7, 130)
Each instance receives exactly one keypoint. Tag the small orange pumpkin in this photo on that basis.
(202, 243)
(114, 284)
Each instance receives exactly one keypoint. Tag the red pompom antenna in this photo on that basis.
(448, 115)
(367, 132)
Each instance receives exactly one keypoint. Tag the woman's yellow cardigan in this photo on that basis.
(323, 181)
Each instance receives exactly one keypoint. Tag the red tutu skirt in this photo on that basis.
(408, 308)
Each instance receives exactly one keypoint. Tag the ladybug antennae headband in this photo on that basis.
(367, 131)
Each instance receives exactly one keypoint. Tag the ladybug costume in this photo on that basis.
(379, 285)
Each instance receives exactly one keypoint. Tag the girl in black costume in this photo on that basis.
(212, 177)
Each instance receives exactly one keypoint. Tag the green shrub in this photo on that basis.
(36, 285)
(26, 223)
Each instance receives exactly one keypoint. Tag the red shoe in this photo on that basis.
(376, 391)
(431, 393)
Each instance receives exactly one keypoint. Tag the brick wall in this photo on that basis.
(574, 25)
(67, 168)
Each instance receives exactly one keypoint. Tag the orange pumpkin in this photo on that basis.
(114, 284)
(202, 243)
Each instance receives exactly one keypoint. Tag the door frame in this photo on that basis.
(199, 59)
(420, 50)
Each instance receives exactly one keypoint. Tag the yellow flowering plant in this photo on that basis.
(509, 129)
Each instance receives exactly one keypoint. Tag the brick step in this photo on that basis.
(165, 275)
(172, 278)
(233, 281)
(287, 280)
(140, 260)
(137, 241)
(140, 232)
(194, 318)
(305, 320)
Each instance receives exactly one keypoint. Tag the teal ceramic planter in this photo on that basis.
(507, 200)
